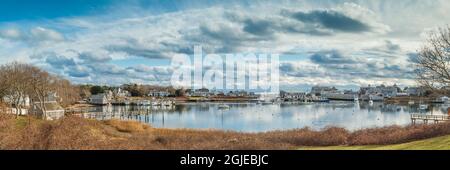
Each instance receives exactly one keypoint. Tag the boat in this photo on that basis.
(223, 106)
(441, 100)
(341, 96)
(423, 106)
(144, 102)
(370, 102)
(411, 102)
(166, 103)
(320, 99)
(154, 103)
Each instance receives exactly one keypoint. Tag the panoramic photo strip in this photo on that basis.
(210, 83)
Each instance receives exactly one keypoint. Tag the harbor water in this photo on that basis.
(256, 117)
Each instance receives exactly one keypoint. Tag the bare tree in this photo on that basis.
(67, 93)
(433, 61)
(42, 84)
(15, 85)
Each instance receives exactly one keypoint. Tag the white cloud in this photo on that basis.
(43, 34)
(13, 34)
(92, 43)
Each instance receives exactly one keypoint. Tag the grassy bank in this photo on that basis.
(78, 133)
(437, 143)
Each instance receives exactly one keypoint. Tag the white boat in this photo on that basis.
(411, 102)
(166, 103)
(145, 103)
(370, 102)
(154, 103)
(340, 96)
(423, 106)
(223, 106)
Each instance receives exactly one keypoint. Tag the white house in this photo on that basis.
(99, 99)
(119, 92)
(25, 101)
(203, 92)
(156, 93)
(53, 110)
(382, 90)
(415, 91)
(293, 96)
(320, 90)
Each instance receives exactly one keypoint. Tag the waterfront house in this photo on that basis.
(52, 111)
(340, 96)
(389, 91)
(369, 90)
(321, 90)
(238, 93)
(24, 101)
(119, 92)
(415, 91)
(441, 99)
(292, 96)
(99, 99)
(157, 93)
(109, 95)
(203, 92)
(382, 90)
(268, 96)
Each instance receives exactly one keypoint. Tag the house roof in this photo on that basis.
(53, 106)
(49, 106)
(98, 96)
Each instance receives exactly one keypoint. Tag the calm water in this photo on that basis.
(252, 117)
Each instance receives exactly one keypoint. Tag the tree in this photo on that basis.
(180, 92)
(97, 90)
(433, 61)
(135, 90)
(42, 84)
(19, 82)
(84, 91)
(15, 84)
(67, 92)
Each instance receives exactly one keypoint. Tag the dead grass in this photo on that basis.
(127, 126)
(78, 133)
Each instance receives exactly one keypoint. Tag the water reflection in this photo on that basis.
(253, 117)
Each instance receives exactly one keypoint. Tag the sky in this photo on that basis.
(341, 43)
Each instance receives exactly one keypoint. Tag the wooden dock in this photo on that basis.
(425, 118)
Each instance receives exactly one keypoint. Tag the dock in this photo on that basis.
(425, 118)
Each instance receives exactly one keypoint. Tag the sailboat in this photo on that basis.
(422, 106)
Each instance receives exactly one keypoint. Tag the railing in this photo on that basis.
(430, 117)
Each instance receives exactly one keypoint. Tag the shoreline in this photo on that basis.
(78, 133)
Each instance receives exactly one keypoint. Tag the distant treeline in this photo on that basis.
(136, 90)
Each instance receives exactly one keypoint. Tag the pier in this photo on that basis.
(425, 118)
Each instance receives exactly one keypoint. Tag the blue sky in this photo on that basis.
(14, 10)
(347, 43)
